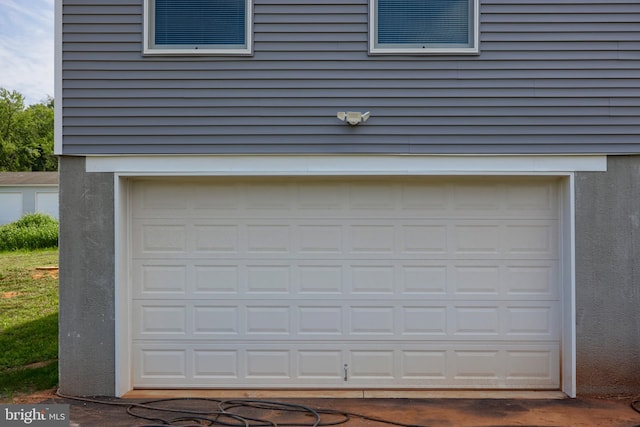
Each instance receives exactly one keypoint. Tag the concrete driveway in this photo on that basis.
(583, 411)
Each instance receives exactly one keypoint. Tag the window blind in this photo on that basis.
(200, 22)
(426, 22)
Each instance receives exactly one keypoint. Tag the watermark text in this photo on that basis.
(40, 415)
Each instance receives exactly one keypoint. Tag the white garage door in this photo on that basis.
(299, 282)
(10, 207)
(47, 203)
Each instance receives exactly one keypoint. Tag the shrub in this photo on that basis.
(32, 231)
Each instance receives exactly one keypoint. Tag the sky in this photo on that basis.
(27, 48)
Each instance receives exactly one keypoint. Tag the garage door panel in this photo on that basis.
(268, 238)
(477, 280)
(216, 238)
(160, 279)
(327, 365)
(326, 239)
(448, 198)
(370, 320)
(319, 320)
(320, 278)
(422, 322)
(371, 365)
(269, 364)
(423, 238)
(160, 237)
(391, 282)
(476, 320)
(424, 279)
(524, 367)
(532, 280)
(269, 196)
(213, 365)
(506, 239)
(371, 279)
(534, 240)
(161, 363)
(160, 198)
(268, 320)
(353, 321)
(345, 279)
(368, 239)
(532, 365)
(216, 320)
(160, 319)
(371, 239)
(533, 321)
(268, 279)
(424, 366)
(217, 280)
(432, 365)
(532, 199)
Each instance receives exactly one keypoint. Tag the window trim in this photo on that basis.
(150, 49)
(474, 49)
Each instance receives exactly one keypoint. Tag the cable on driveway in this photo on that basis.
(230, 413)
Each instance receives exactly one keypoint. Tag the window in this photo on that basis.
(423, 26)
(207, 27)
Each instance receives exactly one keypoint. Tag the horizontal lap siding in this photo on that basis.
(552, 76)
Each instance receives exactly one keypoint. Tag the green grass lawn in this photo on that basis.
(28, 322)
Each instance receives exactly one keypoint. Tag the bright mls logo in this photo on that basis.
(34, 415)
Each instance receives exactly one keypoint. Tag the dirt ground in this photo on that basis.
(587, 411)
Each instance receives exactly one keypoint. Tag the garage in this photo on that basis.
(345, 282)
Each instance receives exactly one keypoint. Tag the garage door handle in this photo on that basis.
(346, 367)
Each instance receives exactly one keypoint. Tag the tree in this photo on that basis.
(26, 134)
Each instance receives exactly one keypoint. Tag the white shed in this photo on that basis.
(27, 192)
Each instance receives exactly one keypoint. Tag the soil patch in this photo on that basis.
(42, 272)
(9, 294)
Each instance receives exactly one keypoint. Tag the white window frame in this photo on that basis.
(474, 49)
(150, 49)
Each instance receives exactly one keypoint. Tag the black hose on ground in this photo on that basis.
(228, 413)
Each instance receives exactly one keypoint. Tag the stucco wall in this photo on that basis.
(608, 278)
(87, 332)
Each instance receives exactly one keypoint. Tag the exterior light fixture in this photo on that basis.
(353, 117)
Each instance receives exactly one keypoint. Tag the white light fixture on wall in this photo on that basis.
(353, 117)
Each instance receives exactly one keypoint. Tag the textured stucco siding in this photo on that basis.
(87, 277)
(551, 77)
(608, 278)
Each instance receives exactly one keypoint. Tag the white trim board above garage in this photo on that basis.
(342, 165)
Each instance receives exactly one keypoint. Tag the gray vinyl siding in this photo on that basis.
(553, 76)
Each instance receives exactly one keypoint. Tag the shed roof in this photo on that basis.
(28, 178)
